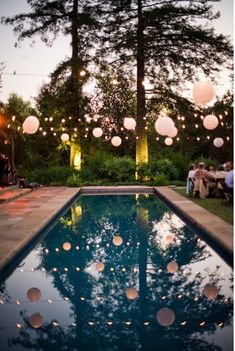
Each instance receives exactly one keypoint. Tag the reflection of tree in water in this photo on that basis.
(144, 261)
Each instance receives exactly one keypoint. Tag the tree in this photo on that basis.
(71, 17)
(167, 42)
(13, 114)
(113, 100)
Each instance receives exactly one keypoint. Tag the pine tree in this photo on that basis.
(75, 19)
(167, 41)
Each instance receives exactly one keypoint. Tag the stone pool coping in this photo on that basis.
(22, 219)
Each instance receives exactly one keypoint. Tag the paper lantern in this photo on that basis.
(173, 132)
(131, 293)
(172, 267)
(211, 291)
(218, 142)
(66, 246)
(34, 294)
(99, 266)
(117, 240)
(210, 122)
(164, 125)
(129, 123)
(165, 317)
(97, 132)
(169, 239)
(64, 137)
(168, 141)
(203, 92)
(116, 141)
(30, 124)
(36, 320)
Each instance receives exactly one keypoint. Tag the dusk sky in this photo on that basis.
(34, 64)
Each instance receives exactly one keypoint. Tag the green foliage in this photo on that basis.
(104, 166)
(120, 169)
(48, 176)
(208, 161)
(160, 179)
(158, 167)
(74, 181)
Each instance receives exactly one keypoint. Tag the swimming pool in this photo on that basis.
(117, 273)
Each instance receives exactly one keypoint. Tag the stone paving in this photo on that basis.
(22, 218)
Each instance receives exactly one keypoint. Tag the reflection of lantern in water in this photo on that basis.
(66, 246)
(172, 267)
(117, 240)
(169, 239)
(34, 294)
(99, 266)
(165, 317)
(36, 320)
(211, 291)
(131, 293)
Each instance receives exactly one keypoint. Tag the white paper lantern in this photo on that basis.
(36, 320)
(116, 141)
(131, 293)
(34, 294)
(117, 240)
(203, 92)
(66, 246)
(99, 266)
(211, 291)
(173, 132)
(97, 132)
(172, 267)
(129, 123)
(218, 142)
(64, 137)
(165, 317)
(210, 122)
(31, 124)
(168, 141)
(164, 125)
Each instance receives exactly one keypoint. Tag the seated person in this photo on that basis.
(190, 178)
(220, 172)
(204, 180)
(229, 178)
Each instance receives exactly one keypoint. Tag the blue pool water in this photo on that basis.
(163, 288)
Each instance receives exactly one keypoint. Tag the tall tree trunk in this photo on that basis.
(141, 142)
(75, 144)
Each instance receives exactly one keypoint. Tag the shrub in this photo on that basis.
(74, 180)
(120, 169)
(145, 171)
(46, 176)
(160, 179)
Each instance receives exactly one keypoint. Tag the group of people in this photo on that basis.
(209, 181)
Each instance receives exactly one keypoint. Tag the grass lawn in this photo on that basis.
(215, 206)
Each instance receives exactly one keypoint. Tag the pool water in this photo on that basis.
(118, 273)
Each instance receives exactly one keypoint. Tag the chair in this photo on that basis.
(191, 186)
(225, 192)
